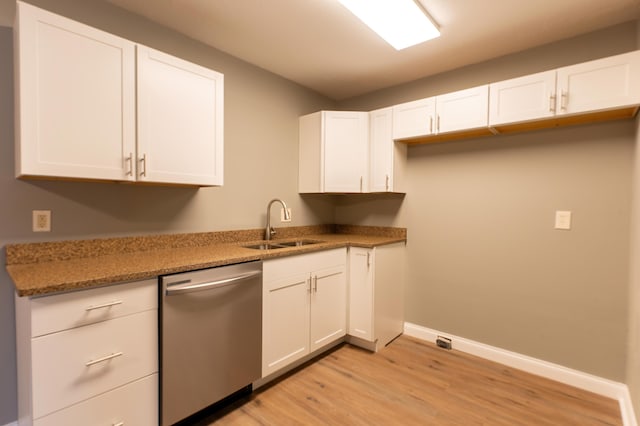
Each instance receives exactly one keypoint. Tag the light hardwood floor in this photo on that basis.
(411, 382)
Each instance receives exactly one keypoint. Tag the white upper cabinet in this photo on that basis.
(334, 152)
(522, 99)
(180, 120)
(591, 87)
(75, 90)
(414, 119)
(602, 84)
(387, 158)
(76, 111)
(457, 111)
(462, 110)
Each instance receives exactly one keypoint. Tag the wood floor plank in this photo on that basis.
(412, 382)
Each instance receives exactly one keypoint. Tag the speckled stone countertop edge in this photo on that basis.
(66, 273)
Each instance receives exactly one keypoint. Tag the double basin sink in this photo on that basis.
(280, 245)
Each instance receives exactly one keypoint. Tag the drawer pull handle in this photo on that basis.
(103, 359)
(118, 424)
(104, 305)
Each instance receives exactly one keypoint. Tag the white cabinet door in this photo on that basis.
(381, 150)
(522, 99)
(387, 158)
(599, 85)
(328, 320)
(413, 119)
(346, 151)
(285, 325)
(333, 152)
(75, 87)
(361, 293)
(462, 110)
(180, 120)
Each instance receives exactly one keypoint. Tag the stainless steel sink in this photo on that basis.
(264, 246)
(298, 243)
(280, 245)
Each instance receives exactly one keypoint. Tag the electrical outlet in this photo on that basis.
(282, 219)
(41, 220)
(563, 220)
(443, 342)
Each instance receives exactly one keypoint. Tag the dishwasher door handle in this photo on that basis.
(187, 287)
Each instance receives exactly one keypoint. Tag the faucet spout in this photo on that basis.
(269, 231)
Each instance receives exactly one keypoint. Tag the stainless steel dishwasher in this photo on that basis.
(211, 337)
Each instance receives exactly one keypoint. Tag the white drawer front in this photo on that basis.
(69, 310)
(61, 376)
(135, 404)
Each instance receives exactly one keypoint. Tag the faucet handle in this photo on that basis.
(272, 231)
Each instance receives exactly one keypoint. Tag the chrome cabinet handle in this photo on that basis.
(129, 161)
(552, 102)
(309, 288)
(103, 359)
(438, 123)
(368, 259)
(143, 163)
(315, 284)
(118, 424)
(564, 97)
(387, 183)
(104, 305)
(431, 124)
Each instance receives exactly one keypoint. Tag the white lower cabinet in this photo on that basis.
(376, 294)
(89, 357)
(304, 306)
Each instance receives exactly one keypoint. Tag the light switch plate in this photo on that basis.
(563, 219)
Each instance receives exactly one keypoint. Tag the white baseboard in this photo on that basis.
(578, 379)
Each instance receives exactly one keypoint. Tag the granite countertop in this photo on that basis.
(44, 268)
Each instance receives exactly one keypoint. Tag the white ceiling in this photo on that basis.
(321, 45)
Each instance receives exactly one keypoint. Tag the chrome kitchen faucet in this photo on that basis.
(269, 231)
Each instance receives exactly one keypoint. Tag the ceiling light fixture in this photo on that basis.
(401, 23)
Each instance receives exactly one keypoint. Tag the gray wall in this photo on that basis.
(261, 151)
(484, 261)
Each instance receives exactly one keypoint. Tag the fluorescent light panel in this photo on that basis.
(401, 23)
